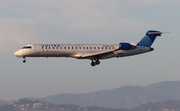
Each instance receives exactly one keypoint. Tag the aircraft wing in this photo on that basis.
(98, 55)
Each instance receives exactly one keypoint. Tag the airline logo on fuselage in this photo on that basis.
(72, 45)
(50, 45)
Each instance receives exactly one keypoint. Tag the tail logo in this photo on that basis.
(149, 38)
(146, 41)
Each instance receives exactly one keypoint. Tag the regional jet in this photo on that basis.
(93, 52)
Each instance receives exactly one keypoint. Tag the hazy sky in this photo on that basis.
(85, 21)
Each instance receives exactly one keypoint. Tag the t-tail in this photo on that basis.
(149, 38)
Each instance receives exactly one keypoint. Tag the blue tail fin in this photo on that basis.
(149, 38)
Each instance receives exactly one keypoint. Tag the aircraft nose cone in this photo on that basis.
(17, 53)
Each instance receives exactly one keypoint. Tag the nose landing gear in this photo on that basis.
(24, 60)
(95, 62)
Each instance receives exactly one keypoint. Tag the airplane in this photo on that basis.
(93, 52)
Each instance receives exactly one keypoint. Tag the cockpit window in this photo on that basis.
(27, 47)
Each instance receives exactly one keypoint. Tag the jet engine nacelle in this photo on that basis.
(126, 46)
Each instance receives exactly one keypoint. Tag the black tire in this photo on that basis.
(93, 63)
(24, 61)
(97, 62)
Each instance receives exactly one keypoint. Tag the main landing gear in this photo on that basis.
(95, 62)
(24, 60)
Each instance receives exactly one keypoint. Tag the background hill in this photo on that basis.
(2, 102)
(29, 105)
(169, 105)
(123, 97)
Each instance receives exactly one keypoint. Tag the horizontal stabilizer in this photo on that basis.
(158, 32)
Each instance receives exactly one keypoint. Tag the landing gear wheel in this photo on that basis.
(24, 61)
(97, 62)
(93, 63)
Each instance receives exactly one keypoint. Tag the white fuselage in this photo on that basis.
(94, 52)
(79, 51)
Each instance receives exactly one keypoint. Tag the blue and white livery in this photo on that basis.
(93, 52)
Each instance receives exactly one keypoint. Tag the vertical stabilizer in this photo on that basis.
(149, 38)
